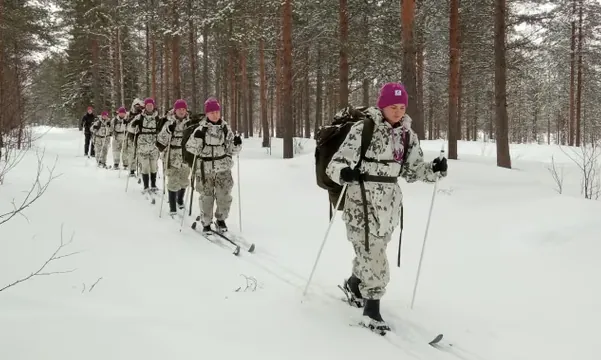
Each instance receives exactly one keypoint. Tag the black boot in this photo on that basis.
(352, 286)
(172, 197)
(180, 198)
(206, 228)
(221, 227)
(374, 321)
(145, 180)
(153, 180)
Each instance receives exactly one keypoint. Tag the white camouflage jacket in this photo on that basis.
(384, 200)
(145, 127)
(215, 149)
(175, 159)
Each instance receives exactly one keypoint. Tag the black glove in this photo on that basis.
(439, 165)
(198, 134)
(237, 140)
(171, 128)
(349, 175)
(136, 122)
(96, 127)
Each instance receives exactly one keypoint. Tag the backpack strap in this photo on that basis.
(366, 135)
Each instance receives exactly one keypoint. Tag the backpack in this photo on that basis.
(188, 131)
(160, 123)
(329, 138)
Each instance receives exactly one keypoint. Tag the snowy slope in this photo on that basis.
(509, 269)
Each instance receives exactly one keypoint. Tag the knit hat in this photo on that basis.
(105, 113)
(148, 101)
(121, 110)
(180, 104)
(391, 94)
(211, 105)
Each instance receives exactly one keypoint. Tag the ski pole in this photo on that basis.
(421, 257)
(164, 177)
(325, 238)
(239, 197)
(192, 178)
(122, 153)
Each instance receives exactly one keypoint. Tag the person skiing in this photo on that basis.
(174, 166)
(144, 126)
(213, 145)
(118, 128)
(101, 130)
(137, 107)
(372, 186)
(84, 125)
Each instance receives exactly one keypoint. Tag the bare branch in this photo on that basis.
(55, 256)
(557, 175)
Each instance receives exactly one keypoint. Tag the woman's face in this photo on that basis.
(214, 115)
(394, 113)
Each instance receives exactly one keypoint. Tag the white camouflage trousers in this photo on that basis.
(101, 145)
(177, 178)
(217, 188)
(117, 147)
(148, 162)
(371, 267)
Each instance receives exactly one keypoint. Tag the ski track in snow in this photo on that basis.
(509, 270)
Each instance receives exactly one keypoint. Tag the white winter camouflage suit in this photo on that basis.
(129, 143)
(147, 153)
(177, 170)
(102, 139)
(384, 200)
(214, 165)
(118, 129)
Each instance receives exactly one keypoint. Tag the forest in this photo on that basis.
(504, 71)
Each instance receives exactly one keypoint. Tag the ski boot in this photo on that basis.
(221, 226)
(172, 198)
(351, 290)
(180, 198)
(372, 318)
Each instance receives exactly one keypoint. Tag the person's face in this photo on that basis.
(181, 113)
(394, 113)
(214, 115)
(149, 107)
(122, 115)
(90, 111)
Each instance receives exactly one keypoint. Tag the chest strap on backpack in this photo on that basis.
(377, 178)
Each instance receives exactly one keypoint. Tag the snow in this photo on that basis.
(509, 271)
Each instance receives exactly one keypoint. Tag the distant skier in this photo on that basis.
(102, 132)
(118, 128)
(145, 125)
(214, 144)
(176, 170)
(85, 124)
(376, 181)
(137, 107)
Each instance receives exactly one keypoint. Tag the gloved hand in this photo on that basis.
(96, 127)
(349, 175)
(198, 134)
(439, 165)
(171, 128)
(136, 122)
(237, 140)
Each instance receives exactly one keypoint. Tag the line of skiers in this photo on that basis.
(196, 150)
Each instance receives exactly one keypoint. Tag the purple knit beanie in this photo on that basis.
(148, 101)
(121, 110)
(211, 105)
(180, 104)
(391, 94)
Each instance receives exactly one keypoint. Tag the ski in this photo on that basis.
(229, 236)
(211, 236)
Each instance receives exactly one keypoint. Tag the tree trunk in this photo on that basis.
(263, 95)
(192, 55)
(287, 79)
(579, 81)
(409, 62)
(343, 66)
(453, 78)
(318, 90)
(502, 128)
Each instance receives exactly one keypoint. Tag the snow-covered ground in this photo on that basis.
(510, 270)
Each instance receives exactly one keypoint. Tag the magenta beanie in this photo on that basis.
(211, 105)
(121, 110)
(105, 113)
(148, 101)
(391, 94)
(180, 104)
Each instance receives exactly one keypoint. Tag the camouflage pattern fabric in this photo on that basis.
(215, 145)
(384, 199)
(147, 133)
(370, 266)
(148, 162)
(118, 129)
(101, 139)
(177, 171)
(217, 188)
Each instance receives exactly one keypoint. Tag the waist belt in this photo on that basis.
(380, 179)
(119, 132)
(175, 146)
(100, 136)
(210, 158)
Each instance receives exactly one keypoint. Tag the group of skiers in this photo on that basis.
(141, 135)
(359, 168)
